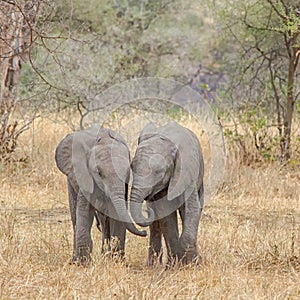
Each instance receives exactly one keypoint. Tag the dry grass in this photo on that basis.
(249, 238)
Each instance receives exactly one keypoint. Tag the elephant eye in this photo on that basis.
(159, 170)
(98, 171)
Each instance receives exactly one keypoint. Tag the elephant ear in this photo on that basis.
(81, 146)
(121, 157)
(116, 136)
(63, 154)
(148, 131)
(187, 167)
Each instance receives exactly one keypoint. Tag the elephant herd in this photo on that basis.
(167, 172)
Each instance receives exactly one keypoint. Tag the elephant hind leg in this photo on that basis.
(190, 215)
(105, 226)
(117, 238)
(155, 246)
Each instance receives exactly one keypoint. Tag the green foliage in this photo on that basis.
(298, 106)
(290, 22)
(254, 134)
(262, 50)
(89, 46)
(175, 113)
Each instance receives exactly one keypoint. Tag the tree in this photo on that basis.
(18, 20)
(70, 51)
(266, 38)
(111, 42)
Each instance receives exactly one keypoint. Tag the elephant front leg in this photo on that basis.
(155, 246)
(84, 220)
(72, 205)
(169, 228)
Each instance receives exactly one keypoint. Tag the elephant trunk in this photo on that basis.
(137, 197)
(123, 215)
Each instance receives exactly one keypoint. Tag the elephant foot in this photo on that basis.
(154, 259)
(190, 257)
(172, 262)
(117, 256)
(182, 261)
(83, 257)
(188, 252)
(73, 260)
(197, 260)
(80, 261)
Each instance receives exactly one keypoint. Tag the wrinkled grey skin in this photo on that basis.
(97, 165)
(168, 173)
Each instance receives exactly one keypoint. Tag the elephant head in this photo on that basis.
(97, 163)
(168, 162)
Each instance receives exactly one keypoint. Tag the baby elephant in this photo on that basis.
(168, 173)
(97, 165)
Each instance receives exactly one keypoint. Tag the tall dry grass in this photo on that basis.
(249, 237)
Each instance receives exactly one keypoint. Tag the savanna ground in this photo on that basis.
(249, 237)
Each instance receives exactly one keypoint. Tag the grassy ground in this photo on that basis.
(249, 238)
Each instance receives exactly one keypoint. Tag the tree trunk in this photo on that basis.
(285, 151)
(17, 20)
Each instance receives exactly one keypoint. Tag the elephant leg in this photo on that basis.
(182, 214)
(117, 236)
(155, 246)
(98, 221)
(84, 220)
(118, 233)
(105, 225)
(188, 251)
(201, 197)
(169, 228)
(72, 205)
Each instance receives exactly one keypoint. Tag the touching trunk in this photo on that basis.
(122, 212)
(137, 198)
